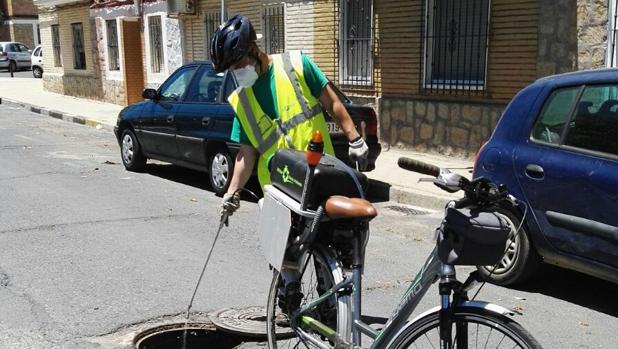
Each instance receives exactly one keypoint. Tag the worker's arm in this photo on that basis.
(243, 167)
(337, 110)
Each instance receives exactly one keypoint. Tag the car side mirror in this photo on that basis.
(150, 93)
(30, 51)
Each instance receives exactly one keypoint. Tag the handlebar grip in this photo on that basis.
(418, 166)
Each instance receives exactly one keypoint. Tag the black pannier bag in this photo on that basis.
(288, 169)
(472, 237)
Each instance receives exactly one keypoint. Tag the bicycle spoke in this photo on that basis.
(487, 340)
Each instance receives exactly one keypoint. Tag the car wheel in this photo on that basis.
(37, 72)
(520, 261)
(131, 152)
(12, 66)
(220, 167)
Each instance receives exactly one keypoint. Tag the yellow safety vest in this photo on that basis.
(300, 113)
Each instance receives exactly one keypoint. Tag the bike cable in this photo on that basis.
(517, 232)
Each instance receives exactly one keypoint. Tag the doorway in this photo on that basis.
(133, 60)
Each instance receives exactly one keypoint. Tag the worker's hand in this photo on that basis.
(358, 152)
(230, 203)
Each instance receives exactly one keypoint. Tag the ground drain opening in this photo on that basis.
(407, 210)
(202, 336)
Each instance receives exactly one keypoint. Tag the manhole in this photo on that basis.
(407, 210)
(250, 321)
(196, 336)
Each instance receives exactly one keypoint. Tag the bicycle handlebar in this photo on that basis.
(480, 191)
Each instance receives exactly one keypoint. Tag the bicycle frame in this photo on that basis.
(430, 272)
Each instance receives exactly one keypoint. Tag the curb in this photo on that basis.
(78, 119)
(379, 191)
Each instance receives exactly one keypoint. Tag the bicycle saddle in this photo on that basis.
(338, 206)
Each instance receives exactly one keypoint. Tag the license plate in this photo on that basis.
(333, 128)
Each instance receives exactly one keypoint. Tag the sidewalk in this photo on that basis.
(389, 180)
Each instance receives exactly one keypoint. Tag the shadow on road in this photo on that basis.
(576, 288)
(195, 179)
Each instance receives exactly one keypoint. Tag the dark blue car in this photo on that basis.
(556, 149)
(188, 121)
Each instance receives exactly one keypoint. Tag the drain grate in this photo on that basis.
(249, 321)
(407, 210)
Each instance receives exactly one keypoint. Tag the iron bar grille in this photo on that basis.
(156, 46)
(611, 62)
(112, 44)
(211, 23)
(79, 54)
(455, 39)
(355, 38)
(56, 45)
(274, 29)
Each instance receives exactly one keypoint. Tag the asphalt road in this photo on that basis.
(90, 254)
(18, 74)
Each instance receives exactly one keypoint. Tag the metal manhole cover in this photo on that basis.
(407, 210)
(249, 321)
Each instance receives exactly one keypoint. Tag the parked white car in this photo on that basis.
(37, 62)
(14, 54)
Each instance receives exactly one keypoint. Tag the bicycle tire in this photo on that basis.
(333, 275)
(424, 333)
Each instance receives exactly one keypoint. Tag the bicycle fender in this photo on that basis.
(494, 308)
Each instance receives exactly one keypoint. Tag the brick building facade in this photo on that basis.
(19, 22)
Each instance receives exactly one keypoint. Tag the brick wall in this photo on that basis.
(24, 34)
(66, 17)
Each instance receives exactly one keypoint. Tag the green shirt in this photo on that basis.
(264, 89)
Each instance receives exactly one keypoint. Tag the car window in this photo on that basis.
(595, 125)
(23, 48)
(174, 88)
(554, 115)
(230, 85)
(207, 88)
(13, 48)
(38, 52)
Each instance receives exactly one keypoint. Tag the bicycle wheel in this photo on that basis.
(472, 328)
(320, 272)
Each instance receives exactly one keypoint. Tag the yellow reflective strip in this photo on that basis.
(289, 70)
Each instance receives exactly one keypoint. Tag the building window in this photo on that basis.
(613, 31)
(211, 23)
(355, 58)
(274, 29)
(56, 45)
(79, 54)
(113, 59)
(456, 46)
(156, 45)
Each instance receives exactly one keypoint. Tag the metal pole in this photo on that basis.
(222, 11)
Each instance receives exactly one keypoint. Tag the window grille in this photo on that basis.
(56, 45)
(455, 39)
(613, 31)
(355, 37)
(274, 29)
(211, 23)
(112, 45)
(156, 45)
(79, 54)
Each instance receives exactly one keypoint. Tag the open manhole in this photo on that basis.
(408, 211)
(248, 321)
(193, 336)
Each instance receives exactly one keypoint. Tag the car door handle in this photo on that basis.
(535, 171)
(206, 121)
(170, 118)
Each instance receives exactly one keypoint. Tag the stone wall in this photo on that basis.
(53, 83)
(557, 37)
(81, 86)
(174, 44)
(592, 33)
(449, 128)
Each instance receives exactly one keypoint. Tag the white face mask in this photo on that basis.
(246, 76)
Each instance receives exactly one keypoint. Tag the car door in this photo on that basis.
(158, 124)
(569, 171)
(197, 117)
(24, 56)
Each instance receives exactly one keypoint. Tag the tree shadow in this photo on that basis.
(197, 179)
(574, 287)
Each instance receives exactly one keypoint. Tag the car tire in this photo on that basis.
(12, 66)
(131, 152)
(521, 260)
(220, 169)
(37, 72)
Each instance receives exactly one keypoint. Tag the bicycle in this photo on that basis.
(322, 238)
